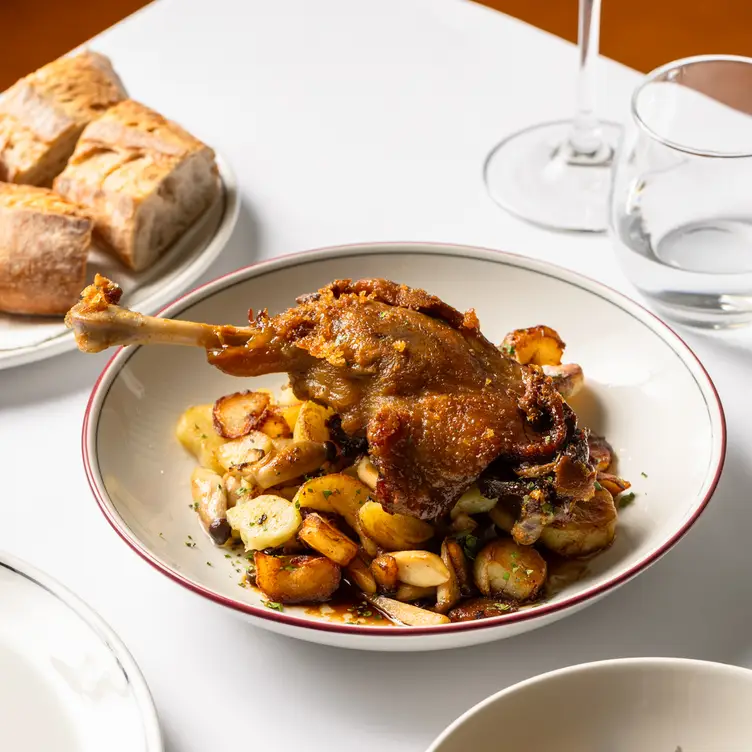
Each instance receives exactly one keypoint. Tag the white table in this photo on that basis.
(347, 121)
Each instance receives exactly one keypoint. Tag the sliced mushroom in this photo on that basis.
(612, 483)
(386, 573)
(360, 573)
(448, 593)
(420, 568)
(210, 500)
(405, 613)
(410, 593)
(294, 460)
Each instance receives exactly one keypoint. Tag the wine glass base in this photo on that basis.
(537, 176)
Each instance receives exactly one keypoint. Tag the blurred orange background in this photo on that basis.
(640, 33)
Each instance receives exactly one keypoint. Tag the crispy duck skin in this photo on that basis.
(435, 400)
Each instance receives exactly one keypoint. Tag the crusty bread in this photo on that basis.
(43, 114)
(143, 178)
(44, 244)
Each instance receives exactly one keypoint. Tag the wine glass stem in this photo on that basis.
(585, 138)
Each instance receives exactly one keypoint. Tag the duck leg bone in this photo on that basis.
(98, 322)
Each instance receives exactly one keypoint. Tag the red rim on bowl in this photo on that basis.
(677, 344)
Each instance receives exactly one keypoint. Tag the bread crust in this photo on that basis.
(44, 244)
(144, 179)
(43, 114)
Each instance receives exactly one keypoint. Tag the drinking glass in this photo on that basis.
(681, 203)
(558, 174)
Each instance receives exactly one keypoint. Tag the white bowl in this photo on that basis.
(646, 392)
(67, 682)
(629, 705)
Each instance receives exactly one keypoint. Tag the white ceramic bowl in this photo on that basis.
(629, 705)
(67, 682)
(646, 392)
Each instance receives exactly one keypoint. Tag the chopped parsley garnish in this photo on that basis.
(469, 544)
(626, 499)
(528, 572)
(644, 475)
(274, 606)
(598, 486)
(508, 349)
(502, 606)
(209, 564)
(506, 576)
(326, 493)
(289, 567)
(228, 556)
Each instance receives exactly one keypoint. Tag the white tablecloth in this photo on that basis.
(348, 121)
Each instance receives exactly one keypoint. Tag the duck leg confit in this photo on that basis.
(438, 404)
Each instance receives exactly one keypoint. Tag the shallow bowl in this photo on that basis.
(646, 392)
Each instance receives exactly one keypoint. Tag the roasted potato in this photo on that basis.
(393, 532)
(266, 521)
(240, 454)
(504, 568)
(337, 493)
(195, 431)
(536, 345)
(324, 537)
(404, 613)
(210, 501)
(311, 423)
(568, 378)
(274, 424)
(235, 415)
(296, 579)
(420, 568)
(590, 528)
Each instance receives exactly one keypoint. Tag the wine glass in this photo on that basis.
(558, 174)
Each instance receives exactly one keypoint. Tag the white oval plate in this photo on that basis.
(67, 682)
(625, 705)
(25, 339)
(646, 392)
